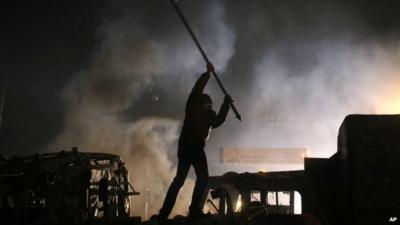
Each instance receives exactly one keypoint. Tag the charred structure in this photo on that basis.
(357, 185)
(69, 187)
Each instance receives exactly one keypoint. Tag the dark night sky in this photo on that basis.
(45, 43)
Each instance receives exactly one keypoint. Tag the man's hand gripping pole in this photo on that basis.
(174, 3)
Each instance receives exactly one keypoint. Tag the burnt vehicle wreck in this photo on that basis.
(357, 185)
(69, 187)
(259, 198)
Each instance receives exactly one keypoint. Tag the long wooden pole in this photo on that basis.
(177, 9)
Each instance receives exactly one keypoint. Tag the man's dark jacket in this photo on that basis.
(198, 119)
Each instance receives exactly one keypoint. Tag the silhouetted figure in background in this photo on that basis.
(103, 194)
(199, 119)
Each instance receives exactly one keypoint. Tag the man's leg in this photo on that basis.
(170, 198)
(201, 170)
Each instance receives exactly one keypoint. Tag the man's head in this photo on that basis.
(206, 101)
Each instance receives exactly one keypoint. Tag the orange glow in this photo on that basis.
(390, 106)
(263, 170)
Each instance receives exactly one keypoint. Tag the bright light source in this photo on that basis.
(239, 204)
(389, 103)
(297, 203)
(391, 107)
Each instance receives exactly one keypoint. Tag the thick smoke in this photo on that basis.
(144, 67)
(309, 107)
(300, 67)
(295, 70)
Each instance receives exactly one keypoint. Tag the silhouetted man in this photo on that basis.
(199, 119)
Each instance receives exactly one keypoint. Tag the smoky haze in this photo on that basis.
(294, 69)
(130, 100)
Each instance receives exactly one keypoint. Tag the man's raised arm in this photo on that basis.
(223, 112)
